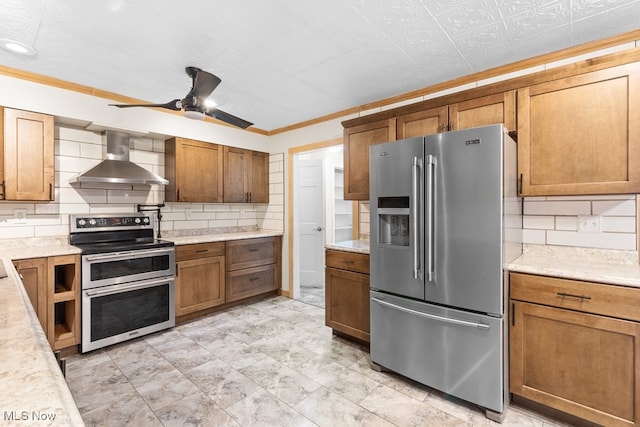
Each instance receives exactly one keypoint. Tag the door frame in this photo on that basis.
(290, 202)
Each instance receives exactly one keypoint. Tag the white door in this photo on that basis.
(309, 223)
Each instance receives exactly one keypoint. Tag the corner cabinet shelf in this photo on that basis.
(63, 323)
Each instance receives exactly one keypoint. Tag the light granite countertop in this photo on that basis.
(220, 237)
(591, 265)
(59, 245)
(33, 387)
(358, 246)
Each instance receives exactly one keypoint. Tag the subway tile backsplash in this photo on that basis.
(77, 150)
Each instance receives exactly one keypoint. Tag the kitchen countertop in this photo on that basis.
(220, 237)
(32, 384)
(591, 265)
(358, 246)
(59, 245)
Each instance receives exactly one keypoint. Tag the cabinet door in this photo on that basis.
(200, 284)
(581, 364)
(357, 141)
(33, 273)
(488, 110)
(28, 156)
(422, 123)
(577, 135)
(347, 302)
(194, 171)
(236, 174)
(259, 191)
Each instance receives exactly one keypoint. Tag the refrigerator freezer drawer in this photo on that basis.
(454, 351)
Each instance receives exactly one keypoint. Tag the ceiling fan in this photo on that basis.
(193, 104)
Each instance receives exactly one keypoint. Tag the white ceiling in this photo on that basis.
(286, 61)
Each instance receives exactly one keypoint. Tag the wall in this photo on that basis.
(77, 150)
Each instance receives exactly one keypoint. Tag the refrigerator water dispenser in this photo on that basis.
(393, 221)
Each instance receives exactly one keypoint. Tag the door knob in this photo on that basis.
(318, 229)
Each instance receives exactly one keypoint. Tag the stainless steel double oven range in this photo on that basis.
(128, 287)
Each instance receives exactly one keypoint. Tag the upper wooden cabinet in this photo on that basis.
(420, 123)
(246, 176)
(27, 156)
(576, 135)
(482, 111)
(487, 110)
(357, 141)
(194, 170)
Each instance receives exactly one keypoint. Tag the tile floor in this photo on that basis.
(272, 363)
(312, 294)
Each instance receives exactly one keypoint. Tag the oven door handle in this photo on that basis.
(116, 289)
(117, 255)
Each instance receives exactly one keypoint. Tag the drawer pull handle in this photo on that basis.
(254, 250)
(348, 261)
(564, 294)
(253, 279)
(202, 250)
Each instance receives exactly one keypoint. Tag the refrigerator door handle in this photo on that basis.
(433, 316)
(416, 214)
(429, 220)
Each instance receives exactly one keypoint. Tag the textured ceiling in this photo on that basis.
(286, 61)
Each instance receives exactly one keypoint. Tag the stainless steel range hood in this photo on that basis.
(117, 169)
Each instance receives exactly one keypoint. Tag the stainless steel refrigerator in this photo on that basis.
(445, 222)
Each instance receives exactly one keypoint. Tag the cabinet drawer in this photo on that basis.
(597, 298)
(199, 250)
(251, 281)
(350, 261)
(251, 253)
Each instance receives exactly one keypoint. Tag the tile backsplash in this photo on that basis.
(77, 150)
(555, 221)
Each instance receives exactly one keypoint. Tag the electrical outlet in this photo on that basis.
(187, 213)
(20, 216)
(589, 224)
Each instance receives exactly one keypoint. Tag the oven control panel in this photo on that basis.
(110, 222)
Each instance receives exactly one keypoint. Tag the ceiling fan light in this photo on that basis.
(194, 114)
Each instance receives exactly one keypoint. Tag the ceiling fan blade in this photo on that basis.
(171, 105)
(203, 82)
(228, 118)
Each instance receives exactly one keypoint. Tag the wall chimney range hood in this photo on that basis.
(116, 168)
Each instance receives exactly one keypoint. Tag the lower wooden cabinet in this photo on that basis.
(200, 277)
(347, 293)
(53, 286)
(33, 273)
(575, 348)
(214, 274)
(253, 267)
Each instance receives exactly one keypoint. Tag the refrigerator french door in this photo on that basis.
(445, 218)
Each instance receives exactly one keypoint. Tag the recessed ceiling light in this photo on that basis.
(17, 47)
